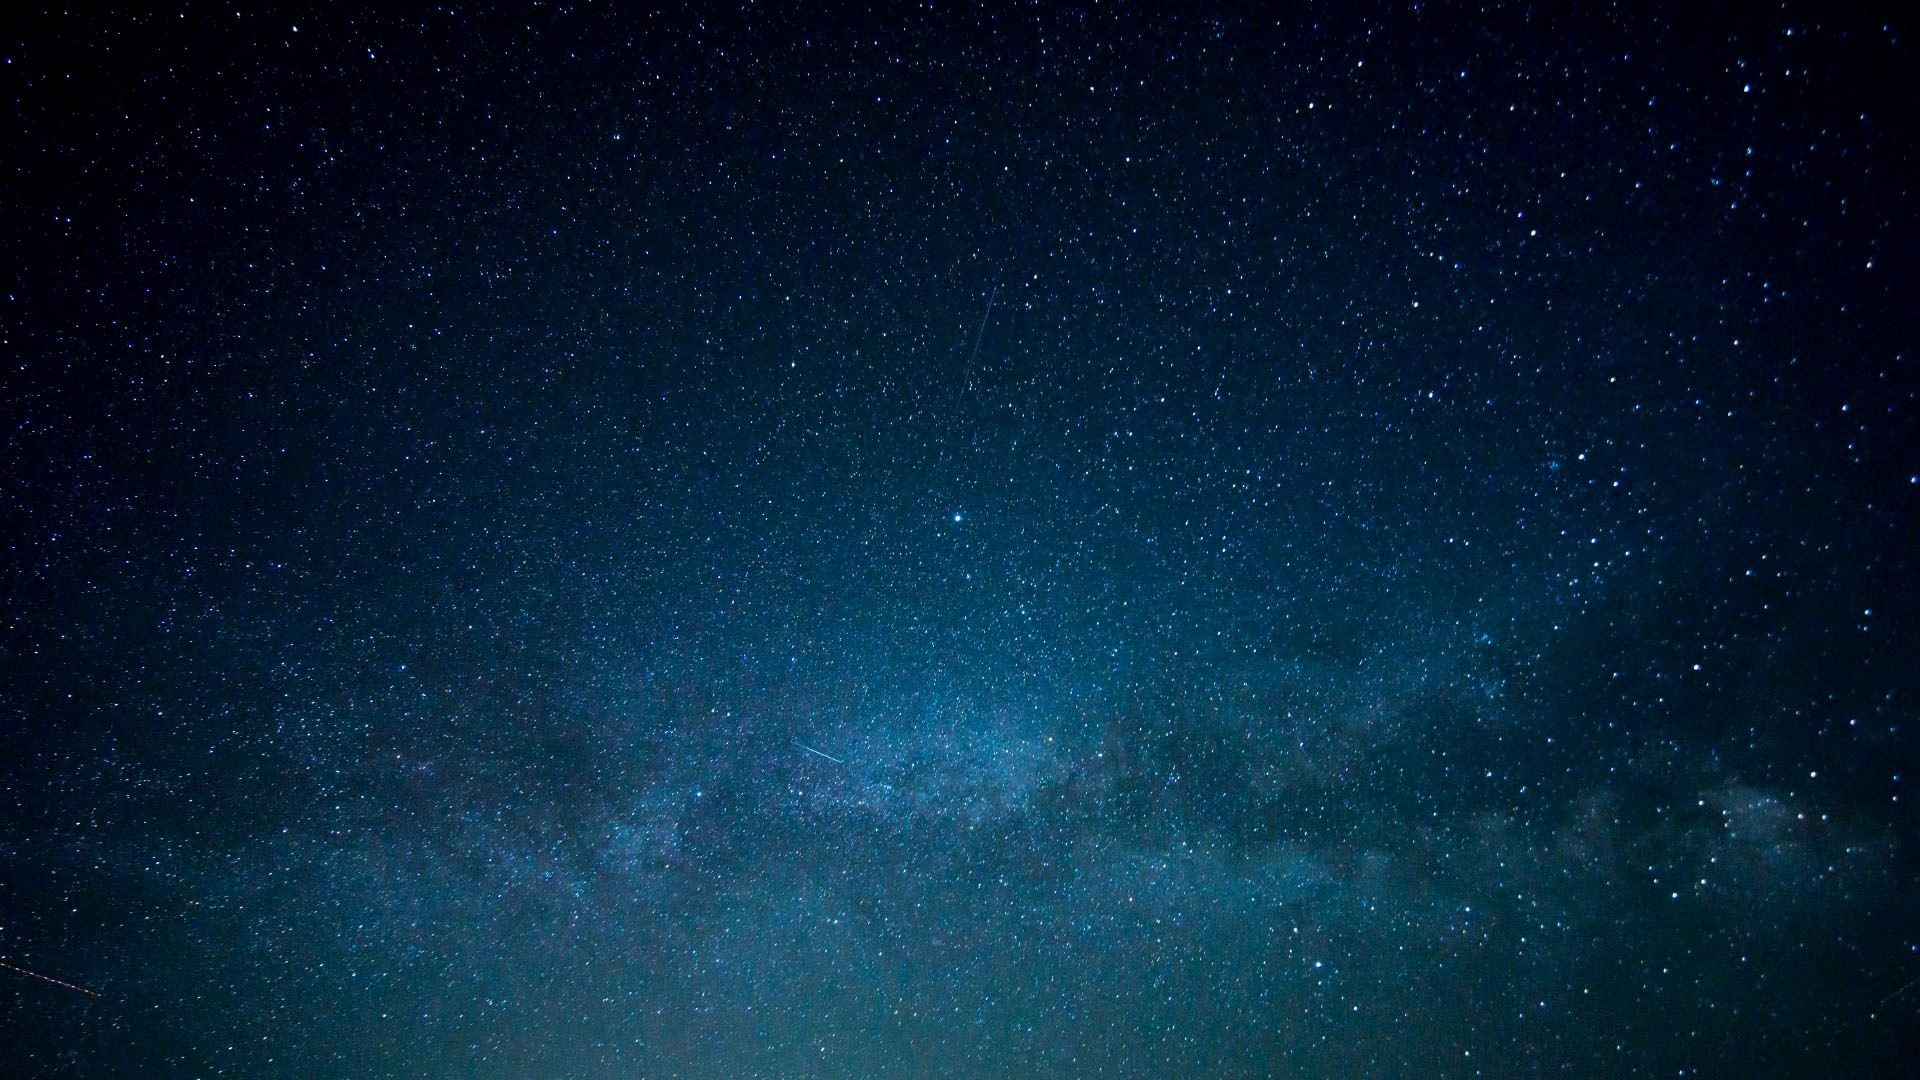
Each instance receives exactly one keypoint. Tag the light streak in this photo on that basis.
(811, 750)
(48, 979)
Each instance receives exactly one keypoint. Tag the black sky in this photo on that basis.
(573, 540)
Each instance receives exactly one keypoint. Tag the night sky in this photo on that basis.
(1043, 539)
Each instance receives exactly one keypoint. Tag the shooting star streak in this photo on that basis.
(1910, 984)
(966, 382)
(811, 750)
(47, 979)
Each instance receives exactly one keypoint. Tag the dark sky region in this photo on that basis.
(1065, 540)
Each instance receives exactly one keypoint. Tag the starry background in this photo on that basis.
(1029, 540)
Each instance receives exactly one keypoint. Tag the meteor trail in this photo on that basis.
(47, 978)
(811, 750)
(966, 382)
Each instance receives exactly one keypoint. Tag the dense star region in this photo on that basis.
(1007, 540)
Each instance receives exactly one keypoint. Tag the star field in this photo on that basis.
(1020, 540)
